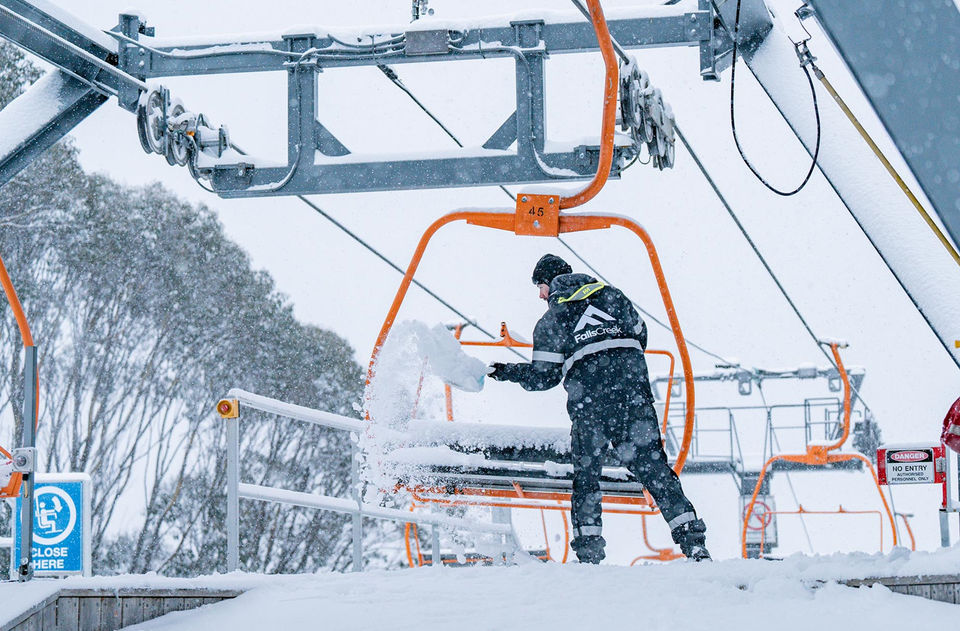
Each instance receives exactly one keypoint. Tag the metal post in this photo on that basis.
(502, 515)
(128, 93)
(25, 569)
(302, 96)
(357, 518)
(708, 47)
(944, 528)
(531, 118)
(435, 546)
(233, 494)
(948, 502)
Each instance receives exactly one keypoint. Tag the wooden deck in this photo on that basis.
(945, 589)
(108, 609)
(74, 609)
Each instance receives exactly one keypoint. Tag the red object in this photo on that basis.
(951, 427)
(907, 464)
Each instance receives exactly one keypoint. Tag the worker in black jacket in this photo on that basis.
(593, 340)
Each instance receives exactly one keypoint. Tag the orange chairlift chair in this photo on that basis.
(12, 488)
(821, 455)
(540, 215)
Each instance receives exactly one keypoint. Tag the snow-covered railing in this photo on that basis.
(229, 410)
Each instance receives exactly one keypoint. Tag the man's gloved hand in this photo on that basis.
(497, 371)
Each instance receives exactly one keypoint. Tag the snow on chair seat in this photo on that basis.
(445, 475)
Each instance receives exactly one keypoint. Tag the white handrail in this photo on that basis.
(350, 507)
(237, 490)
(298, 412)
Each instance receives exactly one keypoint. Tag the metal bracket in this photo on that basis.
(25, 459)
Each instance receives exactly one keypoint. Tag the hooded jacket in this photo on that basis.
(591, 334)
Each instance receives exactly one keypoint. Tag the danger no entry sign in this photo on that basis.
(907, 464)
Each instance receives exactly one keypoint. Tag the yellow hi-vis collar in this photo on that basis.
(584, 292)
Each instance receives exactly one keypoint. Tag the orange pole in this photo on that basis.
(608, 127)
(447, 390)
(416, 400)
(883, 498)
(566, 536)
(906, 522)
(406, 540)
(846, 399)
(14, 301)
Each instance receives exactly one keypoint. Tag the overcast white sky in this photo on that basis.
(724, 298)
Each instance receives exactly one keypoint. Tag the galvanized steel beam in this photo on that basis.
(252, 54)
(906, 59)
(75, 101)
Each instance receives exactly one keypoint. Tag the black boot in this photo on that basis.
(589, 548)
(692, 540)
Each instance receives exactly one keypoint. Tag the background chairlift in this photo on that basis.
(820, 455)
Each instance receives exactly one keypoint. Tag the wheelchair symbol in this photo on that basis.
(56, 515)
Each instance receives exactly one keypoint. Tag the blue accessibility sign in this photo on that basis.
(61, 524)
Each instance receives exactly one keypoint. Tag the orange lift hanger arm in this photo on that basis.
(12, 489)
(608, 127)
(14, 301)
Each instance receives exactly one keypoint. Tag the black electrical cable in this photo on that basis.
(733, 121)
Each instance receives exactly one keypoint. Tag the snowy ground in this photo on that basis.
(798, 593)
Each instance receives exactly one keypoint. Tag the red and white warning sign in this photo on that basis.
(762, 525)
(911, 464)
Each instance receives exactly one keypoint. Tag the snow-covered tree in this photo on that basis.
(145, 314)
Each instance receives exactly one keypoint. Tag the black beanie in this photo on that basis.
(549, 267)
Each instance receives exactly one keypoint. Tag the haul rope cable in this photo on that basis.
(733, 121)
(760, 256)
(386, 260)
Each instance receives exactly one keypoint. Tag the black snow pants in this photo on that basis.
(619, 415)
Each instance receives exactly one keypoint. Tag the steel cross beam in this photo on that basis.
(95, 65)
(317, 162)
(86, 77)
(257, 53)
